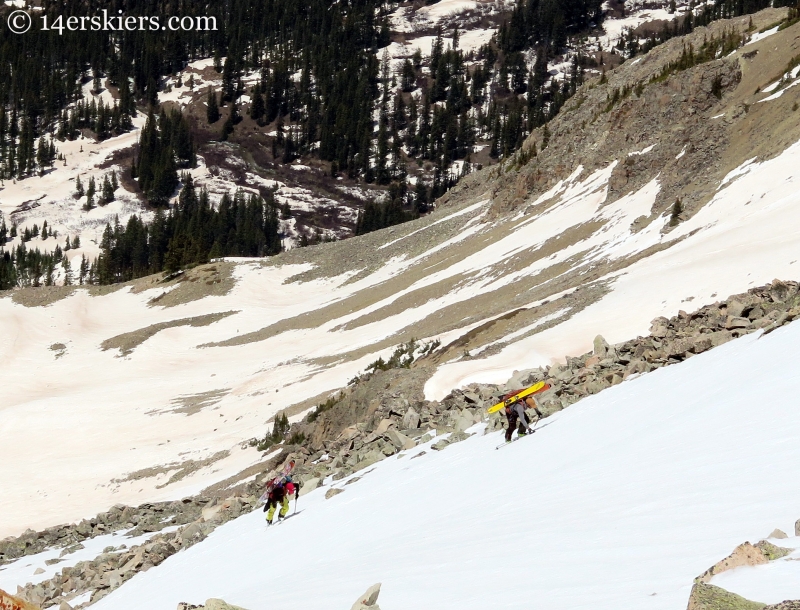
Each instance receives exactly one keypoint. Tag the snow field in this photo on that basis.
(617, 502)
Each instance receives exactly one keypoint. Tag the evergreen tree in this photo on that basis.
(212, 109)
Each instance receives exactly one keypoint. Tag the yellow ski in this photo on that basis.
(534, 389)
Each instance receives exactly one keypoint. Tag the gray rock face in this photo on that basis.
(778, 534)
(797, 528)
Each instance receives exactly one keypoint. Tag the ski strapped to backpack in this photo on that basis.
(277, 481)
(511, 398)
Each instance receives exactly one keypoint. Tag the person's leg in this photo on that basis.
(524, 427)
(271, 512)
(511, 425)
(284, 506)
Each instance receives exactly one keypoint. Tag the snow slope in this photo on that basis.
(617, 502)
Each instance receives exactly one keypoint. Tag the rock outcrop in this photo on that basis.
(705, 596)
(368, 601)
(710, 597)
(9, 602)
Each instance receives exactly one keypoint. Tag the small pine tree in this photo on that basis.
(212, 111)
(83, 270)
(90, 191)
(79, 192)
(114, 183)
(280, 427)
(675, 216)
(108, 191)
(76, 242)
(67, 272)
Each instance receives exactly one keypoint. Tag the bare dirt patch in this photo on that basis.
(213, 279)
(194, 403)
(184, 469)
(127, 342)
(41, 296)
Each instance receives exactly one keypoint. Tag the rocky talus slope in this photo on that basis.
(385, 413)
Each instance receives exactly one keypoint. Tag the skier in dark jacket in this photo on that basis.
(516, 413)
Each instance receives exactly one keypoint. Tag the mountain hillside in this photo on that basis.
(519, 266)
(619, 501)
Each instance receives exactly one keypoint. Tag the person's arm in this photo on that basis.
(536, 407)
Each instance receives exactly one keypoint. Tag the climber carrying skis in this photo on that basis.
(516, 413)
(281, 491)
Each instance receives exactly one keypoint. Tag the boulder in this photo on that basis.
(736, 308)
(462, 422)
(771, 551)
(399, 440)
(383, 426)
(191, 531)
(310, 485)
(9, 602)
(797, 528)
(439, 445)
(743, 555)
(592, 361)
(734, 322)
(778, 534)
(659, 326)
(218, 604)
(719, 337)
(601, 346)
(369, 599)
(779, 291)
(711, 597)
(333, 491)
(701, 344)
(411, 419)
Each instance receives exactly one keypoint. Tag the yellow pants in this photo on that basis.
(284, 509)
